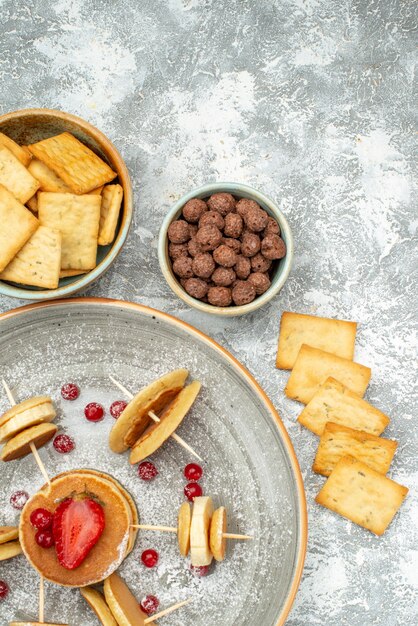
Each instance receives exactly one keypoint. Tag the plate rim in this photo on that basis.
(167, 317)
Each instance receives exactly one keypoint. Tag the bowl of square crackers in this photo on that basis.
(65, 204)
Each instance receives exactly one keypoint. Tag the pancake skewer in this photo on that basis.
(157, 420)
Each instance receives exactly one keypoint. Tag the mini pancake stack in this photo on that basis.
(9, 543)
(25, 423)
(169, 399)
(115, 543)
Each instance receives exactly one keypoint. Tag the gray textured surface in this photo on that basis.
(311, 102)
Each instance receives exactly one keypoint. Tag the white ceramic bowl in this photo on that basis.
(281, 268)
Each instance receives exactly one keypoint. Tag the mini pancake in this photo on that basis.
(19, 445)
(8, 533)
(124, 492)
(98, 604)
(171, 419)
(134, 419)
(30, 403)
(106, 555)
(217, 541)
(123, 604)
(9, 550)
(39, 414)
(183, 528)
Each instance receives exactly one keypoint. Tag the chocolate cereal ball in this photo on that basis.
(244, 205)
(194, 247)
(212, 217)
(273, 247)
(223, 276)
(203, 265)
(219, 296)
(194, 209)
(222, 202)
(242, 267)
(193, 228)
(196, 287)
(256, 219)
(233, 225)
(183, 267)
(259, 263)
(235, 244)
(176, 250)
(178, 231)
(250, 244)
(272, 227)
(209, 237)
(225, 256)
(243, 292)
(260, 281)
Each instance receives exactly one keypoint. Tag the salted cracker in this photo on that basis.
(109, 213)
(15, 177)
(17, 226)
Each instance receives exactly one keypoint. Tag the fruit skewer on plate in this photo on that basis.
(200, 531)
(167, 396)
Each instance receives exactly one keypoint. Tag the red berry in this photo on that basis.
(41, 519)
(150, 604)
(147, 470)
(94, 412)
(4, 590)
(199, 571)
(149, 558)
(45, 538)
(63, 444)
(70, 391)
(192, 491)
(193, 471)
(117, 407)
(19, 499)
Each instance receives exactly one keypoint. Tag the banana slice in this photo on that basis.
(123, 604)
(217, 541)
(134, 419)
(39, 414)
(183, 528)
(8, 533)
(199, 531)
(19, 445)
(98, 604)
(171, 419)
(9, 550)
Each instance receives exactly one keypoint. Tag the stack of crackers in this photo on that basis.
(319, 352)
(55, 209)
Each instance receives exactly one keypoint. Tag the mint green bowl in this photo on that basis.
(281, 268)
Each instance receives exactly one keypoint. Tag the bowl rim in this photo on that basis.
(87, 279)
(237, 189)
(251, 380)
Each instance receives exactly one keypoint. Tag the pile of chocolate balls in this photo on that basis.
(222, 249)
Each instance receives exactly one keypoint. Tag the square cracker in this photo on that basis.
(38, 262)
(334, 402)
(312, 367)
(17, 225)
(362, 495)
(77, 218)
(15, 177)
(71, 272)
(19, 152)
(48, 180)
(338, 441)
(109, 213)
(334, 336)
(78, 166)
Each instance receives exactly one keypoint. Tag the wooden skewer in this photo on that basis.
(167, 611)
(172, 529)
(41, 599)
(156, 419)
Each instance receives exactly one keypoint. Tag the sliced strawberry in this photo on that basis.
(77, 527)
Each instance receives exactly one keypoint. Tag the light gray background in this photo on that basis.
(310, 101)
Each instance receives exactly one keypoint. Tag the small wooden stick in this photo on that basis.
(167, 611)
(41, 599)
(234, 536)
(32, 445)
(163, 529)
(156, 419)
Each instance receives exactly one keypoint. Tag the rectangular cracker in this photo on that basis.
(19, 152)
(48, 180)
(32, 204)
(338, 441)
(77, 218)
(334, 402)
(70, 272)
(109, 213)
(78, 166)
(17, 225)
(97, 191)
(362, 495)
(15, 177)
(334, 336)
(38, 262)
(313, 366)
